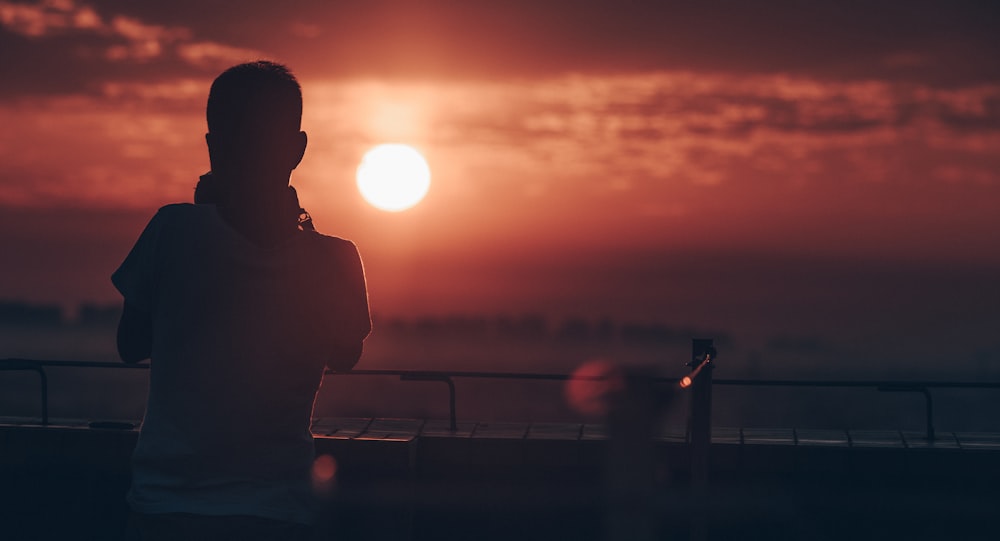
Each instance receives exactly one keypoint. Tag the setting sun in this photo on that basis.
(393, 177)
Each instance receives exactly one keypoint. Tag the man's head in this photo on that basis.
(254, 124)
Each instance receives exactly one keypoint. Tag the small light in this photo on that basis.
(685, 382)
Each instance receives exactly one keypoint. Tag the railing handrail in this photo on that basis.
(857, 383)
(447, 376)
(480, 374)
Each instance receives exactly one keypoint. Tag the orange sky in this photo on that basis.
(584, 160)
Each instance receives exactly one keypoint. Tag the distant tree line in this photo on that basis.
(25, 314)
(539, 327)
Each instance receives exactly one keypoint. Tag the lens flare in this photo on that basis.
(324, 470)
(591, 385)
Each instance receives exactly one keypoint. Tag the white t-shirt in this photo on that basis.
(241, 336)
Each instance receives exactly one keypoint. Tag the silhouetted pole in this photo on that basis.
(702, 363)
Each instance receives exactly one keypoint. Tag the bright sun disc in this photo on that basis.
(393, 177)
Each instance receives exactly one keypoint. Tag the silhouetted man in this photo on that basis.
(240, 311)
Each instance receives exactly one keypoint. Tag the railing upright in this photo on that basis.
(700, 381)
(43, 380)
(702, 362)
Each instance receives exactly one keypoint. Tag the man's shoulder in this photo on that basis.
(331, 242)
(180, 209)
(333, 250)
(178, 213)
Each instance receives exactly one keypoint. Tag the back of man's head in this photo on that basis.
(246, 94)
(254, 118)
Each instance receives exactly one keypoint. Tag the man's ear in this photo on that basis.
(301, 141)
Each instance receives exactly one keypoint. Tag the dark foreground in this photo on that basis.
(412, 479)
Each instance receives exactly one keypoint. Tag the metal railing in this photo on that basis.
(700, 382)
(923, 387)
(38, 366)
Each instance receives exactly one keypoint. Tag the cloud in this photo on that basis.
(74, 39)
(48, 17)
(140, 41)
(949, 45)
(98, 153)
(208, 53)
(626, 149)
(143, 41)
(189, 93)
(701, 127)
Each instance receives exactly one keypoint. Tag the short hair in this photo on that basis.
(236, 96)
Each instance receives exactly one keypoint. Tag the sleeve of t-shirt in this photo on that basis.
(135, 278)
(357, 322)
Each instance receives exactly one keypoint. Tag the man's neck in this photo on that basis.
(264, 219)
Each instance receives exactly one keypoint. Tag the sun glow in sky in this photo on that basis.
(393, 177)
(648, 161)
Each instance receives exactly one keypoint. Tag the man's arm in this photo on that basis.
(355, 321)
(135, 334)
(137, 280)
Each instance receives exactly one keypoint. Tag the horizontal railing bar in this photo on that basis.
(856, 383)
(38, 365)
(382, 372)
(469, 374)
(561, 377)
(75, 364)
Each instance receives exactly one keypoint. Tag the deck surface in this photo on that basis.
(405, 429)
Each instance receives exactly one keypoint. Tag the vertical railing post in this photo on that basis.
(452, 416)
(702, 362)
(702, 353)
(928, 402)
(43, 380)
